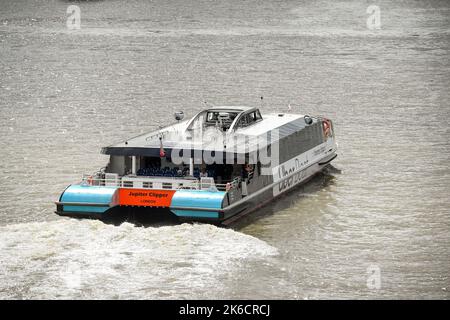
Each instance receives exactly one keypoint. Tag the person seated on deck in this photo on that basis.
(203, 173)
(248, 172)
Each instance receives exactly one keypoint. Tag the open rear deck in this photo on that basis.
(185, 197)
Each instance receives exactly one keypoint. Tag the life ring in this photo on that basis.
(326, 128)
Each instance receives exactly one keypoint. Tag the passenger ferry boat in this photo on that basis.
(221, 164)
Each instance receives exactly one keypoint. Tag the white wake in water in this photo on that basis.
(89, 259)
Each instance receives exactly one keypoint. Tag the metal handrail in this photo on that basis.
(169, 183)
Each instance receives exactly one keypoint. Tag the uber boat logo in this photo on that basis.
(291, 180)
(295, 170)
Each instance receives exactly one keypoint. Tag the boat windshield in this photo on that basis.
(225, 119)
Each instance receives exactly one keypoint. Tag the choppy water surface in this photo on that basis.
(65, 94)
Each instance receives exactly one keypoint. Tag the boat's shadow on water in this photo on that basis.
(163, 217)
(317, 183)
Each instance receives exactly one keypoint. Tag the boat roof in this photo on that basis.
(231, 108)
(181, 136)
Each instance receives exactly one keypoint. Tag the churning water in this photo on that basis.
(377, 226)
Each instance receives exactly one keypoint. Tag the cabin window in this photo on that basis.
(224, 118)
(302, 141)
(212, 117)
(249, 119)
(257, 115)
(244, 121)
(167, 185)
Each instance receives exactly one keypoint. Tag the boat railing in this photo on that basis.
(166, 183)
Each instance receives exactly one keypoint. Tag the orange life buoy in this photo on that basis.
(326, 127)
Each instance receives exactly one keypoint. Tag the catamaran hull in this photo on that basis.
(272, 193)
(86, 201)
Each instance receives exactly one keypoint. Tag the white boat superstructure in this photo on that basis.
(224, 161)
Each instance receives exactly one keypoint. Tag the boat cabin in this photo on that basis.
(219, 164)
(146, 161)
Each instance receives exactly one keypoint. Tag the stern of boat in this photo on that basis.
(96, 199)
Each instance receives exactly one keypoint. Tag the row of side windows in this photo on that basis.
(301, 141)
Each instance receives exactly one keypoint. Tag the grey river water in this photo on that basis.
(375, 226)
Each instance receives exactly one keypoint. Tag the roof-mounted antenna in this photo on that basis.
(262, 101)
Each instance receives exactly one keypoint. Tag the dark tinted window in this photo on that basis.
(301, 141)
(250, 118)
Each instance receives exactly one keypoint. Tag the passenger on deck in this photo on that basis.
(203, 173)
(248, 172)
